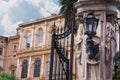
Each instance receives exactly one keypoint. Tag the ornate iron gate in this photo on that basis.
(61, 60)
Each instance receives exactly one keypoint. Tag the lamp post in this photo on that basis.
(90, 25)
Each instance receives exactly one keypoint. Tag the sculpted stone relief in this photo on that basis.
(110, 49)
(87, 69)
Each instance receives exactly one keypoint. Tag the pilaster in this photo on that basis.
(32, 35)
(28, 76)
(42, 66)
(21, 38)
(17, 70)
(44, 34)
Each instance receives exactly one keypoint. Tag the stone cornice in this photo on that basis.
(83, 6)
(31, 50)
(3, 37)
(14, 37)
(39, 20)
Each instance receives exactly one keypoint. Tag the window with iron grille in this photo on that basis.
(24, 69)
(37, 67)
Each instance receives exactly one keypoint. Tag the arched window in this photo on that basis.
(12, 69)
(28, 39)
(37, 67)
(40, 38)
(24, 69)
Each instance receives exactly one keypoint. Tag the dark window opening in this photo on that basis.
(37, 68)
(24, 69)
(15, 47)
(14, 55)
(1, 41)
(1, 51)
(28, 45)
(13, 72)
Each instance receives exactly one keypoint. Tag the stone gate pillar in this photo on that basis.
(99, 68)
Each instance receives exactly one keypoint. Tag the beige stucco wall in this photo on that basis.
(11, 56)
(3, 45)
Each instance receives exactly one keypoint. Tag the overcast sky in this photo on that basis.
(14, 12)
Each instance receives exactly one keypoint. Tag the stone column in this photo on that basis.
(32, 36)
(29, 66)
(35, 39)
(117, 35)
(42, 66)
(97, 68)
(17, 70)
(20, 41)
(44, 34)
(46, 40)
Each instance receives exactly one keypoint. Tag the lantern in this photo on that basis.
(90, 24)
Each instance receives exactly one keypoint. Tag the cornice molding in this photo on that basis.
(39, 20)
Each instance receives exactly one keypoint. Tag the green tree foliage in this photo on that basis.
(5, 76)
(67, 9)
(116, 70)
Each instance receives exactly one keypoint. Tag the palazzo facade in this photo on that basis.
(27, 54)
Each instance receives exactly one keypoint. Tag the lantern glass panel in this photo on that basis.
(85, 26)
(95, 25)
(90, 25)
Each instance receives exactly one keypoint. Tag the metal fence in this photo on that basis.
(61, 61)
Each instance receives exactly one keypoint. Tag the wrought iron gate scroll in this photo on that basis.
(61, 60)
